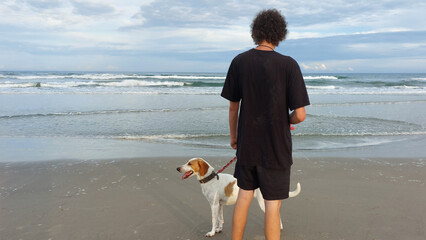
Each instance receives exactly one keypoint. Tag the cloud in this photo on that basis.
(326, 17)
(358, 46)
(314, 67)
(195, 13)
(331, 35)
(44, 4)
(91, 9)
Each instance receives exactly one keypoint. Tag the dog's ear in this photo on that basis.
(203, 167)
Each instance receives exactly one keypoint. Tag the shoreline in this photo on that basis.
(145, 198)
(35, 149)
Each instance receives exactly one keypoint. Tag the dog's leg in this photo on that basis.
(261, 202)
(215, 209)
(214, 204)
(220, 221)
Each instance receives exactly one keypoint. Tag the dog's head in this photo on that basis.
(194, 166)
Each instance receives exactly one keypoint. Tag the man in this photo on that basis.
(268, 85)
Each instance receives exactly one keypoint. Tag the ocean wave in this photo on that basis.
(194, 140)
(184, 77)
(204, 84)
(320, 77)
(343, 145)
(202, 91)
(194, 84)
(315, 141)
(408, 87)
(362, 134)
(224, 136)
(115, 92)
(119, 111)
(220, 135)
(109, 76)
(123, 83)
(191, 91)
(138, 83)
(70, 84)
(321, 87)
(368, 103)
(9, 84)
(397, 90)
(170, 136)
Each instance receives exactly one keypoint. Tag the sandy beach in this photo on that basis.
(145, 198)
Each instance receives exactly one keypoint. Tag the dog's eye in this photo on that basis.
(189, 163)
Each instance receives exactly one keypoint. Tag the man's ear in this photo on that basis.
(203, 167)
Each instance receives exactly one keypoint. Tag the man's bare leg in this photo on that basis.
(239, 218)
(272, 219)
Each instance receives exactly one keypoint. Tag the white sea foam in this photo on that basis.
(109, 76)
(168, 136)
(363, 134)
(369, 103)
(321, 145)
(69, 84)
(320, 77)
(36, 77)
(179, 84)
(112, 111)
(321, 87)
(395, 90)
(182, 77)
(9, 84)
(419, 79)
(137, 83)
(407, 87)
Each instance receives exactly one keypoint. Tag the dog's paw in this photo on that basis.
(219, 229)
(210, 234)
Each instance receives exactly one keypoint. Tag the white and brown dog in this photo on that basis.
(219, 189)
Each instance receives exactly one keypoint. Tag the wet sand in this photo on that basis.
(145, 198)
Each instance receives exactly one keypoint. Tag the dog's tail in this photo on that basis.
(295, 192)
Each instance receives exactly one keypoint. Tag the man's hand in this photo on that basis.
(297, 116)
(234, 143)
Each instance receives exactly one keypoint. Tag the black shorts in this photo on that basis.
(274, 184)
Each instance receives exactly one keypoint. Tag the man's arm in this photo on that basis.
(298, 115)
(233, 122)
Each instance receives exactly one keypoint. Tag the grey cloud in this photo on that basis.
(395, 45)
(392, 45)
(195, 13)
(311, 12)
(377, 45)
(205, 13)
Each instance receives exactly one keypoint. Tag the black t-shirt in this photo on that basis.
(268, 85)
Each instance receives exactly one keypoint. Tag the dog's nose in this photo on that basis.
(178, 169)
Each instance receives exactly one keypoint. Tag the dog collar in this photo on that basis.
(210, 177)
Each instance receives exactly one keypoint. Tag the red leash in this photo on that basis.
(229, 163)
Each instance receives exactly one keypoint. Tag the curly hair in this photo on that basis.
(269, 25)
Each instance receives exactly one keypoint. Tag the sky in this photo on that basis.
(204, 35)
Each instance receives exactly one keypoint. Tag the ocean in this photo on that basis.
(98, 115)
